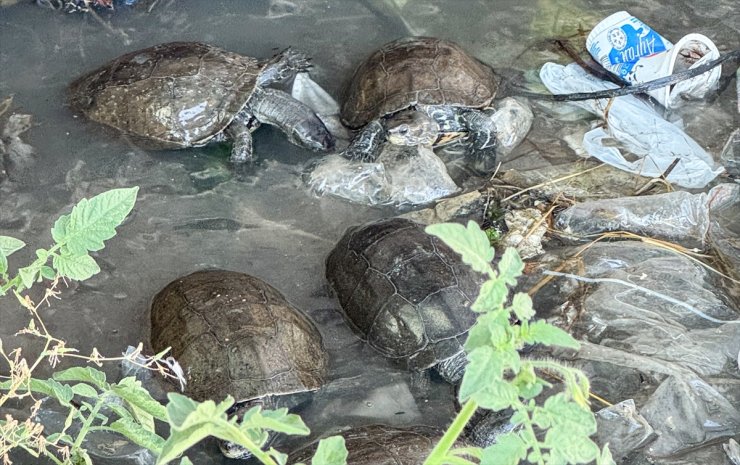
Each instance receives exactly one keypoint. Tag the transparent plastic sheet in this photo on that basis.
(622, 426)
(637, 127)
(688, 413)
(724, 229)
(678, 217)
(632, 330)
(396, 178)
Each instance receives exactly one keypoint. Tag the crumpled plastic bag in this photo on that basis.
(637, 127)
(513, 120)
(306, 90)
(400, 176)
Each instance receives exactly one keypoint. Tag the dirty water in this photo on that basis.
(194, 211)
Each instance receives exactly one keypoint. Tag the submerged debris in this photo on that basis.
(14, 153)
(82, 6)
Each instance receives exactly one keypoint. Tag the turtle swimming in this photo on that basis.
(406, 293)
(236, 335)
(185, 94)
(420, 90)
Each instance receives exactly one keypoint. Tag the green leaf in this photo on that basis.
(280, 421)
(491, 296)
(28, 275)
(84, 374)
(331, 451)
(77, 267)
(94, 221)
(10, 245)
(138, 434)
(279, 457)
(483, 369)
(183, 439)
(508, 450)
(510, 267)
(63, 393)
(84, 390)
(470, 242)
(185, 461)
(541, 332)
(3, 263)
(521, 305)
(48, 272)
(490, 329)
(191, 421)
(606, 456)
(130, 390)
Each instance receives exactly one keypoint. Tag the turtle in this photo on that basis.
(420, 91)
(185, 94)
(381, 445)
(234, 334)
(406, 293)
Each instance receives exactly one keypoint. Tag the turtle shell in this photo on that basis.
(403, 291)
(236, 335)
(168, 96)
(381, 445)
(416, 70)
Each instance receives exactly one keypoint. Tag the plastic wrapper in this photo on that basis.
(637, 128)
(513, 119)
(400, 176)
(678, 217)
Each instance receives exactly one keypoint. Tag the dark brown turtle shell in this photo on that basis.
(168, 96)
(236, 335)
(380, 445)
(403, 291)
(416, 70)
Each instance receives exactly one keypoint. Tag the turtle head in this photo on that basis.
(410, 127)
(313, 135)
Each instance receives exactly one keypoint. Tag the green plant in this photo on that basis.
(558, 431)
(94, 404)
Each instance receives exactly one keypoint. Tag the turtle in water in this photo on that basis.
(236, 335)
(185, 94)
(406, 293)
(420, 91)
(381, 445)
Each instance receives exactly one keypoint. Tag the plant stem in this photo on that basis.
(441, 450)
(535, 444)
(87, 423)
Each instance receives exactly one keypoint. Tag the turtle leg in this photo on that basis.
(283, 66)
(366, 145)
(453, 368)
(482, 138)
(240, 132)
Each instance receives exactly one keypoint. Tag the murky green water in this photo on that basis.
(194, 213)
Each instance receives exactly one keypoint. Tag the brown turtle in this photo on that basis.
(236, 335)
(381, 445)
(420, 90)
(185, 94)
(406, 293)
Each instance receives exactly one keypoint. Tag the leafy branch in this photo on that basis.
(497, 377)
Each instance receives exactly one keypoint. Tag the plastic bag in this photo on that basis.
(400, 176)
(638, 129)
